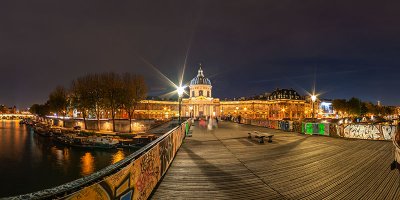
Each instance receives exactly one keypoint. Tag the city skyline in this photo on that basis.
(246, 48)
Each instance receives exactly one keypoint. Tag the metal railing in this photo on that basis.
(75, 186)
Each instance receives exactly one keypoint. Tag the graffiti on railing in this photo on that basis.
(369, 131)
(316, 128)
(138, 179)
(333, 130)
(166, 152)
(388, 132)
(360, 131)
(297, 126)
(134, 181)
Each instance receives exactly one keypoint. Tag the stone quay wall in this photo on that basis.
(121, 125)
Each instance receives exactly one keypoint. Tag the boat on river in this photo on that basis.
(42, 130)
(101, 142)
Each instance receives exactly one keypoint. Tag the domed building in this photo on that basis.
(200, 102)
(200, 86)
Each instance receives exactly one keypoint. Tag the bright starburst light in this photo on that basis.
(180, 90)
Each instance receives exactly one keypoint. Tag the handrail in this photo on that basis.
(78, 184)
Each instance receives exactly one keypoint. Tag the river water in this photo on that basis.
(29, 162)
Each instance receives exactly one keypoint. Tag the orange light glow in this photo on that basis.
(87, 163)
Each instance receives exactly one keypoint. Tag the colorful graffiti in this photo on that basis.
(138, 179)
(359, 131)
(147, 174)
(284, 125)
(166, 152)
(273, 124)
(388, 132)
(369, 131)
(316, 128)
(117, 186)
(297, 126)
(333, 130)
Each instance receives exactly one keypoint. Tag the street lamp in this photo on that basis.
(313, 99)
(180, 90)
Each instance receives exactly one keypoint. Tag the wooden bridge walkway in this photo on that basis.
(224, 164)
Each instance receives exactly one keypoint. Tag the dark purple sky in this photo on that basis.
(247, 47)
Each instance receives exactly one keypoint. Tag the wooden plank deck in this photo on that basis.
(224, 164)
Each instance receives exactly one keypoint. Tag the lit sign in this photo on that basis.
(326, 107)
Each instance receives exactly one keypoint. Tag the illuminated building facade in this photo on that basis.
(200, 102)
(280, 104)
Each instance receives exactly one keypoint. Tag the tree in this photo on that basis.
(95, 91)
(134, 90)
(354, 106)
(34, 108)
(58, 100)
(79, 97)
(363, 109)
(340, 105)
(372, 109)
(3, 109)
(388, 110)
(40, 109)
(87, 96)
(112, 93)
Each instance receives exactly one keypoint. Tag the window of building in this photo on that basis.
(208, 93)
(192, 93)
(200, 92)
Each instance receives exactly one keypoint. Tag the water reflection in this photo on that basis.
(120, 155)
(87, 166)
(10, 143)
(42, 163)
(61, 155)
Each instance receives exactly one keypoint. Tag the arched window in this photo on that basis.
(200, 92)
(208, 93)
(192, 93)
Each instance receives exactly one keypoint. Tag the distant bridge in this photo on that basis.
(16, 116)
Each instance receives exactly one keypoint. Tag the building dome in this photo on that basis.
(284, 94)
(200, 79)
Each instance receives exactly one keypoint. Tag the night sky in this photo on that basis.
(350, 48)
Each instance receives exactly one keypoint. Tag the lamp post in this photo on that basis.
(180, 91)
(313, 99)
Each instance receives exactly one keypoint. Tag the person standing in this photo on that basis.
(210, 124)
(202, 123)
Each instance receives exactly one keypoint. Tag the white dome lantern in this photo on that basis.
(200, 86)
(200, 79)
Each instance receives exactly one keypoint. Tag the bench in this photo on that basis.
(260, 136)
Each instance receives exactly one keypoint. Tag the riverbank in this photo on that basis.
(102, 139)
(30, 162)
